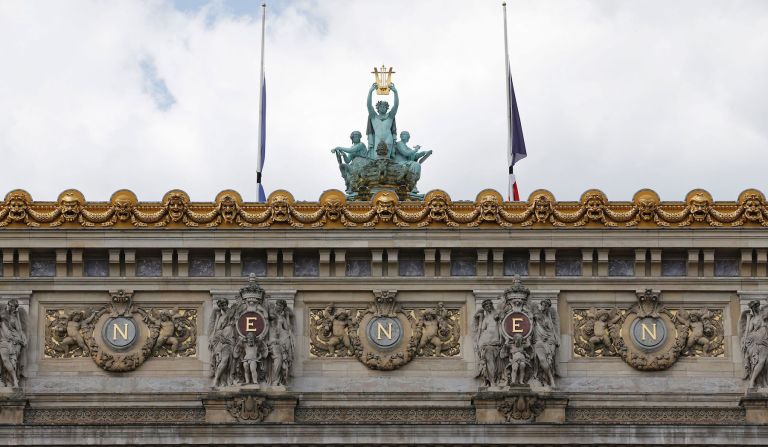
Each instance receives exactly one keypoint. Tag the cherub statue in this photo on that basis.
(73, 337)
(518, 360)
(336, 329)
(253, 359)
(167, 323)
(753, 331)
(701, 332)
(432, 325)
(601, 333)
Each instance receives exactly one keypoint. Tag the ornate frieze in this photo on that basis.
(648, 335)
(656, 415)
(384, 210)
(120, 336)
(251, 342)
(385, 415)
(100, 415)
(518, 342)
(384, 335)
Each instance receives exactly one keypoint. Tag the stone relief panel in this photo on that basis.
(120, 336)
(648, 335)
(251, 342)
(518, 343)
(384, 335)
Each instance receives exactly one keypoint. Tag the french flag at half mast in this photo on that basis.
(515, 141)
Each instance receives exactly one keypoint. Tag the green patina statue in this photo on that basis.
(385, 164)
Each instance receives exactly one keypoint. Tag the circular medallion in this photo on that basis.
(119, 333)
(648, 333)
(251, 323)
(517, 323)
(384, 332)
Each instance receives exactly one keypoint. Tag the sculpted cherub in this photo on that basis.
(74, 338)
(596, 330)
(518, 360)
(254, 358)
(431, 327)
(702, 334)
(16, 209)
(335, 330)
(166, 321)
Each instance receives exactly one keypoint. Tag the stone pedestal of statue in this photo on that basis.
(518, 405)
(756, 407)
(12, 404)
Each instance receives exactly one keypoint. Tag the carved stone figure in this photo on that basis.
(73, 336)
(488, 344)
(13, 342)
(251, 343)
(332, 333)
(518, 343)
(546, 341)
(381, 122)
(753, 332)
(350, 159)
(249, 408)
(592, 331)
(281, 345)
(175, 333)
(521, 408)
(705, 333)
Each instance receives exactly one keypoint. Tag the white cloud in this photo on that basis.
(614, 95)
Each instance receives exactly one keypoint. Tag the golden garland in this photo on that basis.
(384, 211)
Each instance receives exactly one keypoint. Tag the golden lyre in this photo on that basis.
(383, 78)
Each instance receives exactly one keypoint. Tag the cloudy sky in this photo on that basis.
(156, 95)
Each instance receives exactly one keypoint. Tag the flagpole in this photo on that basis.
(509, 105)
(262, 105)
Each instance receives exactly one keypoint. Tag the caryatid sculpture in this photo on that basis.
(13, 341)
(753, 331)
(251, 342)
(517, 343)
(385, 163)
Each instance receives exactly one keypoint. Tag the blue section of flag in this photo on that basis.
(262, 196)
(516, 141)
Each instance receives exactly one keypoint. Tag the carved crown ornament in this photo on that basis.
(384, 336)
(120, 336)
(648, 335)
(384, 210)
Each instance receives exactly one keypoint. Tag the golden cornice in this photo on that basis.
(332, 211)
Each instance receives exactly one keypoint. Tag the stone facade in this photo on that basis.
(653, 327)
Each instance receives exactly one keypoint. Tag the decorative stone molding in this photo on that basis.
(250, 407)
(100, 415)
(383, 210)
(519, 405)
(656, 415)
(385, 415)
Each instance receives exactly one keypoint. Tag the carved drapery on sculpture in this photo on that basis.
(251, 341)
(753, 335)
(384, 336)
(13, 343)
(333, 211)
(120, 336)
(648, 336)
(518, 342)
